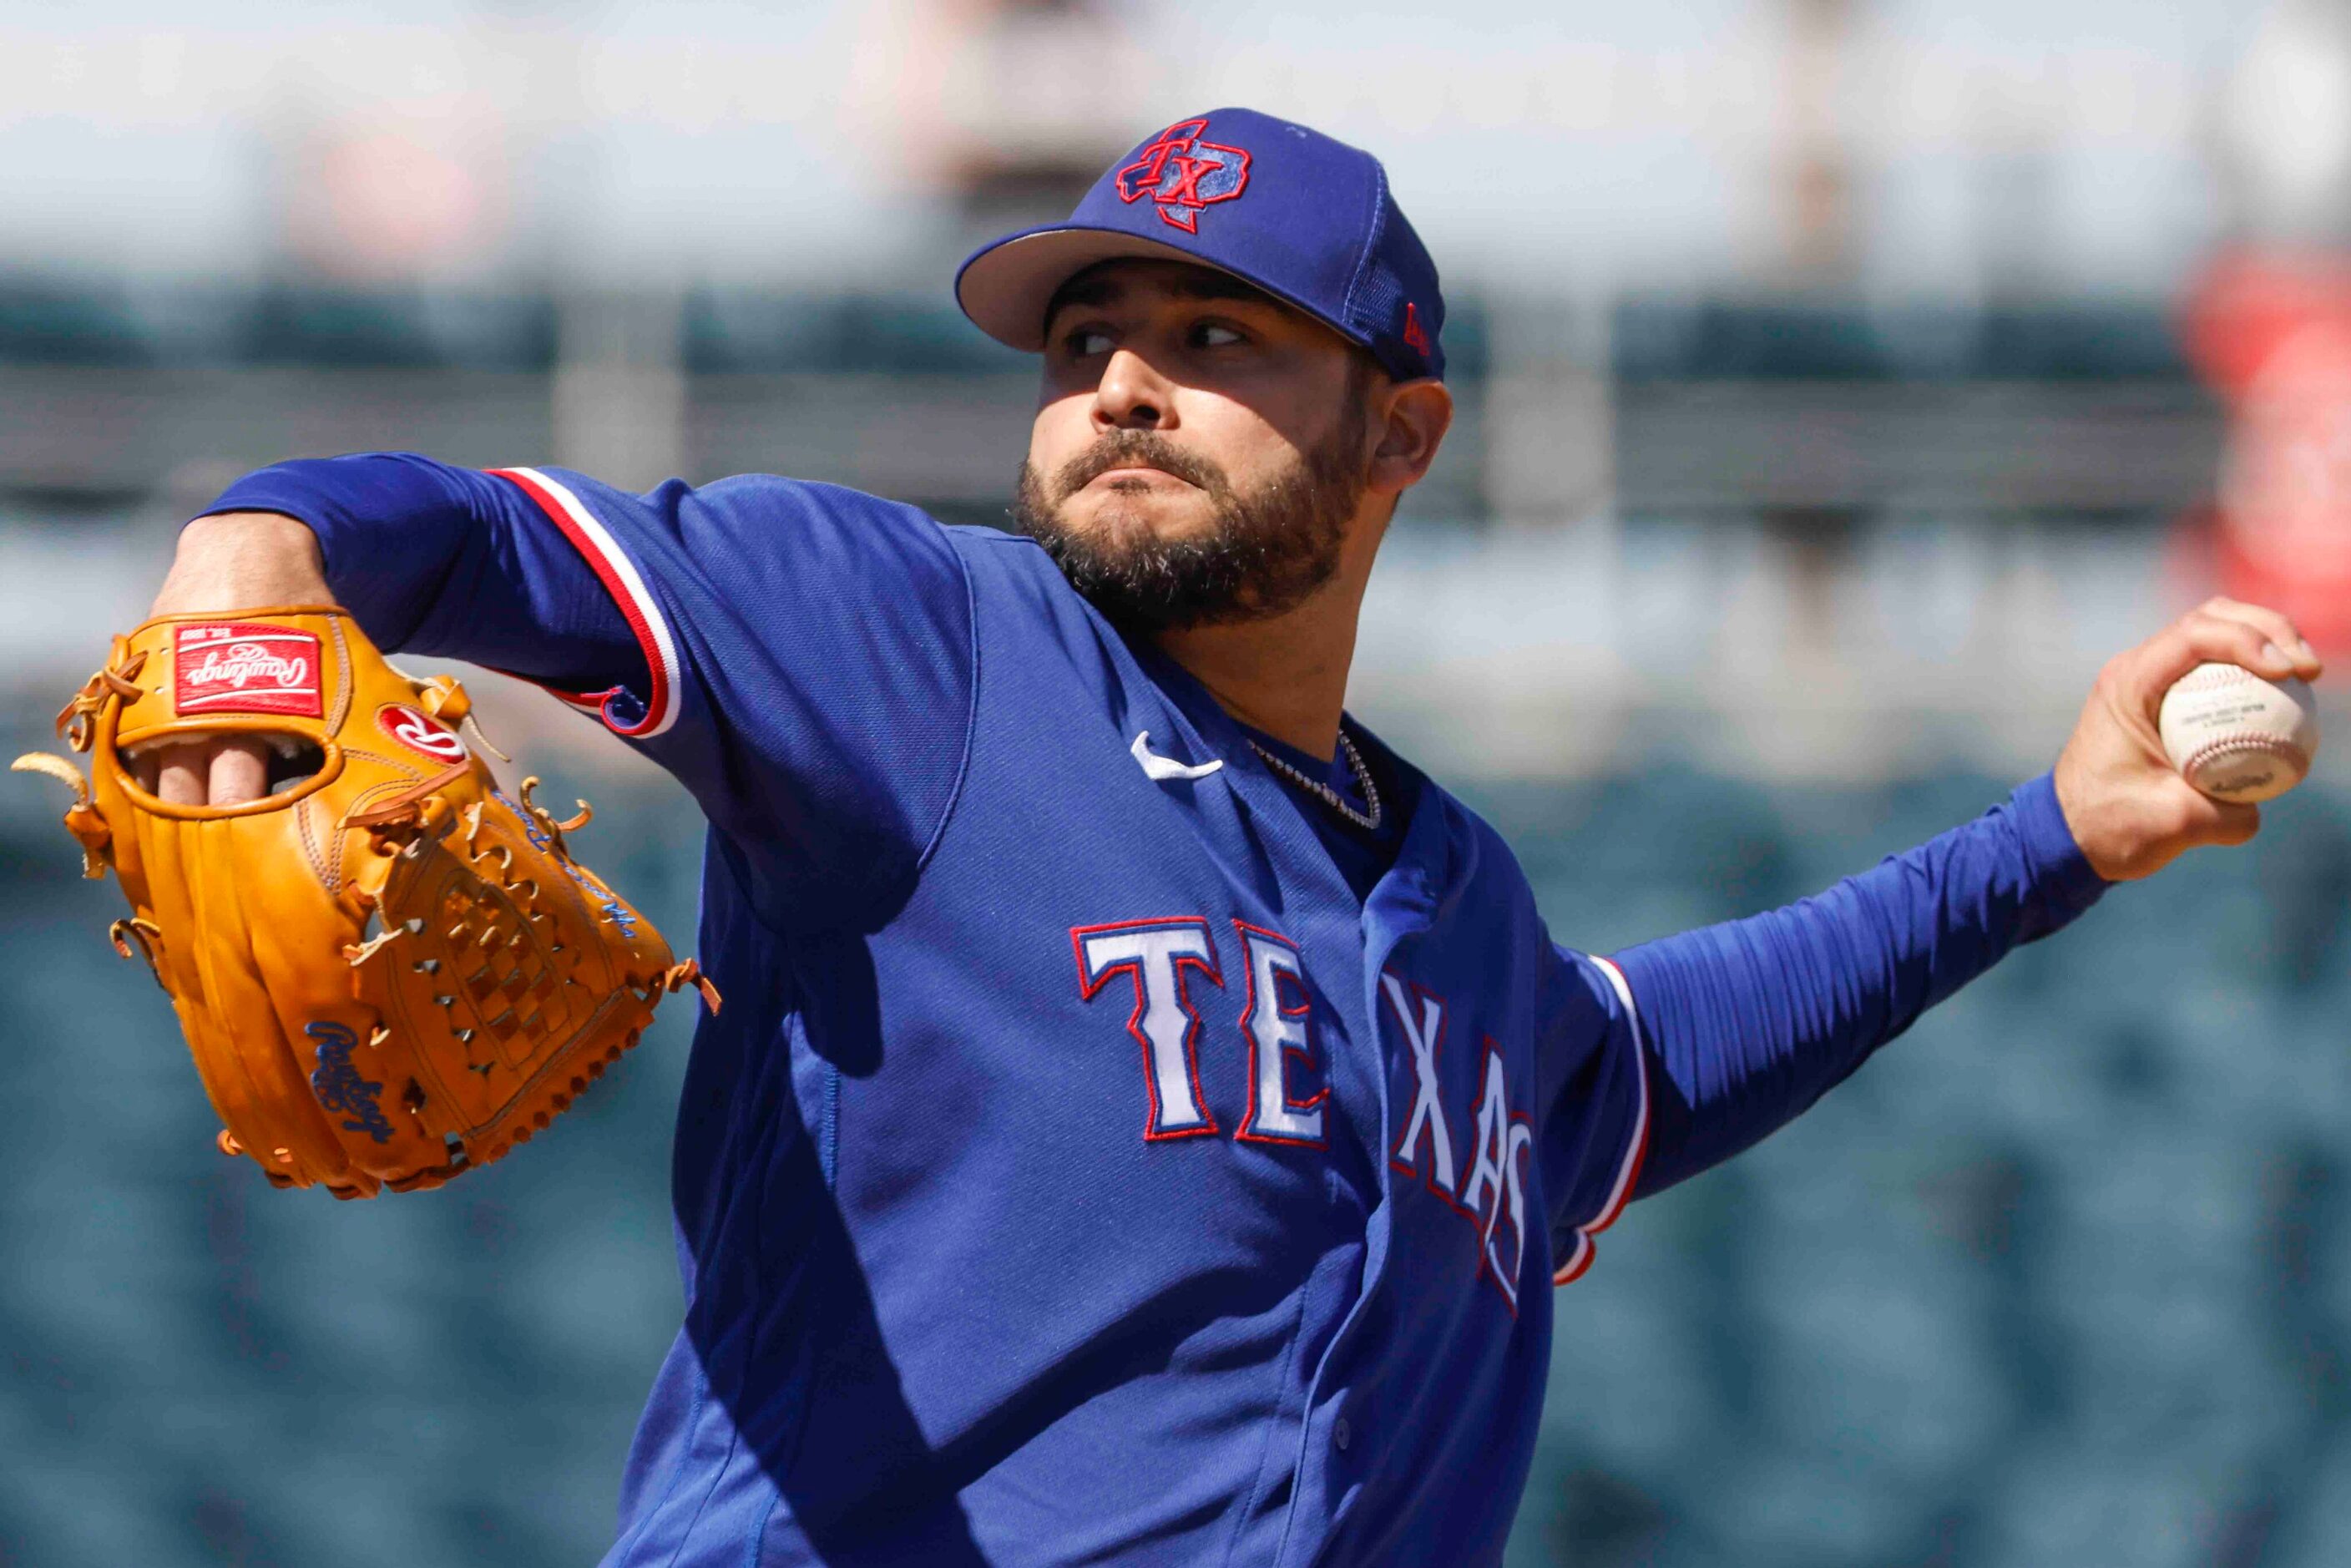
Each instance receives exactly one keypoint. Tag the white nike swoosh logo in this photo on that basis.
(1156, 767)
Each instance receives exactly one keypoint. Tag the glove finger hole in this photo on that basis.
(221, 769)
(291, 766)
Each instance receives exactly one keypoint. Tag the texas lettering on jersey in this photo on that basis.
(1160, 959)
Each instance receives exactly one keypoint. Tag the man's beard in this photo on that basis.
(1264, 553)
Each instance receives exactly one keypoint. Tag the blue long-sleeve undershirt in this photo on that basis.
(1746, 1023)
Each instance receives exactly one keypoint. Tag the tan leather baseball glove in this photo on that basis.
(388, 971)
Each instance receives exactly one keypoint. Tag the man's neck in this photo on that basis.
(1288, 675)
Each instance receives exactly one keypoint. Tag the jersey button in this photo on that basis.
(1341, 1433)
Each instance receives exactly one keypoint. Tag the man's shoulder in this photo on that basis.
(779, 498)
(778, 494)
(771, 524)
(1476, 860)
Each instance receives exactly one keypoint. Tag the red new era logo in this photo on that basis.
(1415, 336)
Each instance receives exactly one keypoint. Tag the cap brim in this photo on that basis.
(1006, 288)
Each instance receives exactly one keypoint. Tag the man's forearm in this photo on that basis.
(1746, 1023)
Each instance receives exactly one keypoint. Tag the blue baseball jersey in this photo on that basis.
(1091, 1163)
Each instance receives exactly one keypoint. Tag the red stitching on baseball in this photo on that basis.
(2285, 749)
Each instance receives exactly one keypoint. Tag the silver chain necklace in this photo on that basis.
(1368, 821)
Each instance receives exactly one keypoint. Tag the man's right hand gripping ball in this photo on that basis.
(389, 970)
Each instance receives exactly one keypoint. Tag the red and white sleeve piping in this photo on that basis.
(1636, 1148)
(637, 605)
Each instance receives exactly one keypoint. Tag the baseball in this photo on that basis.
(2237, 737)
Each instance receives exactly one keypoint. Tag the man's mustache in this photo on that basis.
(1136, 449)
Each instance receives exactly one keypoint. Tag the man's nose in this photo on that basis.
(1131, 395)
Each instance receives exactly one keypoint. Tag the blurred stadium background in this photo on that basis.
(1842, 379)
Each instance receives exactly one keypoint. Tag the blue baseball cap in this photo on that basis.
(1307, 219)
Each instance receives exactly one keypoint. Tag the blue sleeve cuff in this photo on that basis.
(1749, 1022)
(2061, 875)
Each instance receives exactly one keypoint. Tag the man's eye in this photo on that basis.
(1084, 343)
(1211, 336)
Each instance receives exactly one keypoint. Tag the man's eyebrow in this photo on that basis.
(1084, 291)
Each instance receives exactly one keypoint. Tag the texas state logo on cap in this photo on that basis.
(1181, 172)
(1308, 220)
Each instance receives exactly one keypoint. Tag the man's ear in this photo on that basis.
(1413, 417)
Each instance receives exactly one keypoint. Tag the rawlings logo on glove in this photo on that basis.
(339, 1086)
(387, 971)
(421, 733)
(242, 668)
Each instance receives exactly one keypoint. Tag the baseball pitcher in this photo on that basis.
(1148, 1117)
